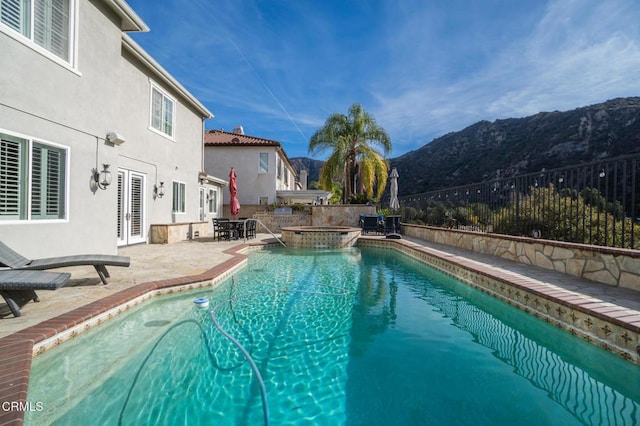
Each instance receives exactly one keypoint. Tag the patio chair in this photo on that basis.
(392, 226)
(18, 287)
(370, 224)
(221, 229)
(13, 260)
(251, 229)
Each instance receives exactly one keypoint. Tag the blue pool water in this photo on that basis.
(353, 337)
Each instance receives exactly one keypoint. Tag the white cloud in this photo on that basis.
(580, 52)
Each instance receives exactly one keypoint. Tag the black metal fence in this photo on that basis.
(594, 203)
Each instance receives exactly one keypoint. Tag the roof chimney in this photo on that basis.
(238, 130)
(303, 179)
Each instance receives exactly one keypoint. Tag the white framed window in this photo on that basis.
(162, 112)
(33, 179)
(279, 168)
(179, 197)
(264, 163)
(212, 199)
(45, 24)
(286, 176)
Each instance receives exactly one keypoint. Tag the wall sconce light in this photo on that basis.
(158, 191)
(102, 178)
(602, 173)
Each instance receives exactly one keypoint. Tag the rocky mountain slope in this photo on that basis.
(504, 148)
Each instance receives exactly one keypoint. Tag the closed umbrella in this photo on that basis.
(234, 204)
(394, 205)
(393, 191)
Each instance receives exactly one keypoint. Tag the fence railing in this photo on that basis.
(594, 203)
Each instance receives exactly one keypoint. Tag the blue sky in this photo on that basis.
(423, 68)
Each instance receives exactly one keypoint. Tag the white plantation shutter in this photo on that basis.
(120, 206)
(156, 109)
(12, 173)
(264, 162)
(51, 26)
(17, 15)
(47, 180)
(54, 201)
(167, 116)
(136, 205)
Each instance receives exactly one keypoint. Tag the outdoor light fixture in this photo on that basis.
(602, 173)
(102, 178)
(115, 138)
(158, 191)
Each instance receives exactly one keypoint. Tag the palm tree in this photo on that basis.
(352, 138)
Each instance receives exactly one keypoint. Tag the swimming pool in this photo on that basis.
(357, 336)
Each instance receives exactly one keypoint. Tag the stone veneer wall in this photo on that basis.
(340, 214)
(168, 233)
(616, 267)
(275, 221)
(323, 215)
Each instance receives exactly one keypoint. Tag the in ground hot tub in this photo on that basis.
(320, 236)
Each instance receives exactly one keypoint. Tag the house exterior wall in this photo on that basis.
(74, 108)
(158, 157)
(246, 161)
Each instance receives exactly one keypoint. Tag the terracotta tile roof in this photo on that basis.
(222, 138)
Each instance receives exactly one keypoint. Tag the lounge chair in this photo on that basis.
(18, 287)
(13, 260)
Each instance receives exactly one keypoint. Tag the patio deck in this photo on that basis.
(163, 266)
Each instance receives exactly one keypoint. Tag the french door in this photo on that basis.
(131, 207)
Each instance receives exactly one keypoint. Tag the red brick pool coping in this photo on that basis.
(17, 348)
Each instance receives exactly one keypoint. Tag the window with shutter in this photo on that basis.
(51, 21)
(179, 197)
(45, 176)
(162, 112)
(264, 162)
(12, 178)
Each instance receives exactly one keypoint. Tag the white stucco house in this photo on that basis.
(265, 174)
(78, 93)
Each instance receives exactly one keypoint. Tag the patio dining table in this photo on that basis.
(236, 229)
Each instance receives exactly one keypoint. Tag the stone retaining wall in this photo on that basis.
(323, 215)
(616, 267)
(340, 214)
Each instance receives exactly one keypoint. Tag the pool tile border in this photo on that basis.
(18, 348)
(609, 326)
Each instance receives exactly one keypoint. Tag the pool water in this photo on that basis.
(353, 337)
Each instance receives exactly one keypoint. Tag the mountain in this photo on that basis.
(513, 146)
(309, 164)
(503, 148)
